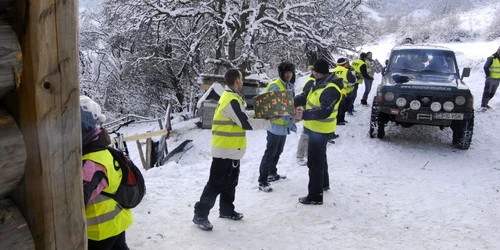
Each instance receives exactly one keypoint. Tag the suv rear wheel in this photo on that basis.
(462, 132)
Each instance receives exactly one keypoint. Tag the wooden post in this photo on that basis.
(141, 154)
(50, 195)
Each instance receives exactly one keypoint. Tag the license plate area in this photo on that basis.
(449, 116)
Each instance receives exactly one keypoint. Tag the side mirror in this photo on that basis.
(465, 73)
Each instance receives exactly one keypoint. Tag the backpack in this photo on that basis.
(132, 187)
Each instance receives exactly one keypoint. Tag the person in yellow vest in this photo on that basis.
(368, 81)
(319, 117)
(277, 131)
(359, 67)
(492, 71)
(228, 146)
(349, 80)
(106, 219)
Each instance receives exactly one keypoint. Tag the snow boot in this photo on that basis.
(275, 177)
(305, 200)
(302, 161)
(202, 223)
(265, 187)
(233, 216)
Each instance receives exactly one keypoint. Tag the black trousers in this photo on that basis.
(223, 180)
(490, 88)
(114, 243)
(274, 148)
(344, 105)
(318, 165)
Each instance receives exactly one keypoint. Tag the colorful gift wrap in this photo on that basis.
(274, 103)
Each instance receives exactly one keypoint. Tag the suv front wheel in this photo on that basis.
(377, 121)
(462, 132)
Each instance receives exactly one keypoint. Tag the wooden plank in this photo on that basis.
(10, 58)
(149, 148)
(14, 231)
(51, 195)
(141, 154)
(12, 154)
(142, 136)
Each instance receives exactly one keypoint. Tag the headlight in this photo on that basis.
(401, 102)
(448, 106)
(389, 96)
(435, 106)
(415, 105)
(460, 100)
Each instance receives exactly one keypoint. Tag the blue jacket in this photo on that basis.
(283, 129)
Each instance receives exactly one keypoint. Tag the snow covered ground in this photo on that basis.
(412, 190)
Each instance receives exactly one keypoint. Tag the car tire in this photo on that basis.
(462, 133)
(377, 121)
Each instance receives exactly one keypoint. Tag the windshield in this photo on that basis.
(426, 61)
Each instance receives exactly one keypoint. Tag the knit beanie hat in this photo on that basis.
(91, 114)
(321, 66)
(341, 61)
(286, 67)
(363, 55)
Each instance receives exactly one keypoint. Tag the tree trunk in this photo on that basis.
(10, 58)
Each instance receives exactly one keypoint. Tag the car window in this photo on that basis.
(427, 61)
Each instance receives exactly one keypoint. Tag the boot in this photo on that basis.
(203, 223)
(233, 216)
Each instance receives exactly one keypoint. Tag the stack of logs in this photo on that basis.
(14, 231)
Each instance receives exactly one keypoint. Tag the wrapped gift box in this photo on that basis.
(274, 103)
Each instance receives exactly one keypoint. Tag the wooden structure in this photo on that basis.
(41, 198)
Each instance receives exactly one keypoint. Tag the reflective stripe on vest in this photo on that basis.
(495, 68)
(329, 124)
(105, 217)
(357, 67)
(341, 72)
(226, 133)
(281, 86)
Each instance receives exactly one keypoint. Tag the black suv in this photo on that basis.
(422, 85)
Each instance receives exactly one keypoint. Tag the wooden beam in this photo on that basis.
(12, 154)
(51, 196)
(143, 135)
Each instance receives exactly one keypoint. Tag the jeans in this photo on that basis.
(223, 180)
(368, 88)
(490, 88)
(353, 94)
(274, 148)
(318, 165)
(302, 145)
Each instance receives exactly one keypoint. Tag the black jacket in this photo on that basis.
(329, 97)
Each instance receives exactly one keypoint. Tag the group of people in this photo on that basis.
(326, 97)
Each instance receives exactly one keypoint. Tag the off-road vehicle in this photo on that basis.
(422, 85)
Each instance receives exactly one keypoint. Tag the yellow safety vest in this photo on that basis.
(225, 132)
(308, 80)
(325, 126)
(341, 72)
(105, 217)
(357, 68)
(280, 85)
(495, 68)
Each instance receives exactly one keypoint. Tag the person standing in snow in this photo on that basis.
(228, 147)
(277, 131)
(319, 118)
(304, 138)
(342, 71)
(106, 219)
(492, 71)
(368, 81)
(359, 66)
